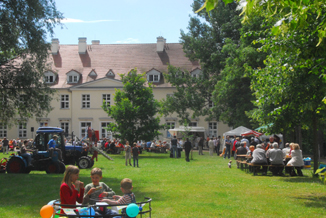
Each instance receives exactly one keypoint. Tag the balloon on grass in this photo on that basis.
(132, 210)
(46, 211)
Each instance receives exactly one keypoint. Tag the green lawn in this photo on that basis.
(204, 187)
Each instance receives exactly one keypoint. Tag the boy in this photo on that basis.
(135, 154)
(127, 198)
(96, 189)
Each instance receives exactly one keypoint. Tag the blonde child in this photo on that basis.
(71, 189)
(127, 198)
(128, 153)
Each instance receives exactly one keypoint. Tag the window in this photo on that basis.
(106, 98)
(210, 102)
(49, 77)
(22, 130)
(3, 130)
(193, 124)
(212, 127)
(65, 127)
(153, 76)
(171, 125)
(43, 124)
(104, 132)
(64, 104)
(83, 128)
(86, 101)
(196, 73)
(73, 77)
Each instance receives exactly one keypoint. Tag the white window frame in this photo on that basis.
(83, 128)
(64, 102)
(3, 130)
(86, 101)
(213, 128)
(171, 125)
(65, 126)
(72, 77)
(22, 130)
(153, 76)
(210, 102)
(107, 99)
(196, 73)
(47, 77)
(104, 132)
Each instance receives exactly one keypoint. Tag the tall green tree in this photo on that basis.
(24, 26)
(135, 111)
(203, 42)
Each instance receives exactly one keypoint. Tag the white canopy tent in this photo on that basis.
(186, 129)
(237, 131)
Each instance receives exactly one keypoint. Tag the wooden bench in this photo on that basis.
(254, 167)
(242, 164)
(289, 169)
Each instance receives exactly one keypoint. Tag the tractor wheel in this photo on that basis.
(53, 167)
(90, 161)
(83, 162)
(62, 167)
(15, 165)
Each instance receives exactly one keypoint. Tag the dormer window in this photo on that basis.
(153, 76)
(49, 77)
(92, 73)
(110, 74)
(196, 73)
(73, 77)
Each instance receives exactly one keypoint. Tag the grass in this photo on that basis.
(204, 187)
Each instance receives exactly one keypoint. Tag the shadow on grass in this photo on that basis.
(302, 179)
(313, 200)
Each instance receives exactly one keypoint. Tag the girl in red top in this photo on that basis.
(71, 189)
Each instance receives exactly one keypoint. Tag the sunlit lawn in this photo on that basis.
(204, 187)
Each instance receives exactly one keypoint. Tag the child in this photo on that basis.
(69, 193)
(127, 198)
(135, 154)
(96, 188)
(128, 153)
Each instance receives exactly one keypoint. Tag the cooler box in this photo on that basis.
(307, 163)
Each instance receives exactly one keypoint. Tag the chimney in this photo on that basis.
(82, 45)
(160, 44)
(55, 46)
(95, 42)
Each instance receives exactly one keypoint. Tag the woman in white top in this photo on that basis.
(296, 159)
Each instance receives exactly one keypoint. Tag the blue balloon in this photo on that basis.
(132, 210)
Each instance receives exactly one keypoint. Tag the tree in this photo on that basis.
(293, 15)
(24, 26)
(134, 110)
(202, 43)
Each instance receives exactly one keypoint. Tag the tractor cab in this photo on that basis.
(45, 134)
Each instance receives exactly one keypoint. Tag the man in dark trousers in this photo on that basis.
(187, 146)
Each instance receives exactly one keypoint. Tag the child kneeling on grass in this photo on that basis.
(127, 198)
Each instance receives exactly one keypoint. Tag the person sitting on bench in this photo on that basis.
(296, 159)
(276, 157)
(259, 157)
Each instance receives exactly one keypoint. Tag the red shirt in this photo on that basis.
(68, 196)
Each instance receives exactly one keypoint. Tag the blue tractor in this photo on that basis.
(41, 160)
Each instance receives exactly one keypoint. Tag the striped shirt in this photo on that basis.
(125, 199)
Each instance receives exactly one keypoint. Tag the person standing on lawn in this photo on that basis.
(135, 154)
(188, 147)
(200, 146)
(227, 147)
(211, 146)
(174, 145)
(5, 145)
(128, 153)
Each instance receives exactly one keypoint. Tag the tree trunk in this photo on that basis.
(321, 142)
(315, 143)
(298, 136)
(284, 138)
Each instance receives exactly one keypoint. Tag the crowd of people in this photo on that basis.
(10, 145)
(268, 153)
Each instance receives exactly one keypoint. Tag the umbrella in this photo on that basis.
(251, 132)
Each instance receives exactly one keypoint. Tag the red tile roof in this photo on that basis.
(120, 58)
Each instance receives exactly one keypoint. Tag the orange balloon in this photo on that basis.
(46, 211)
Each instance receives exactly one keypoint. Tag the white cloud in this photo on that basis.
(129, 40)
(72, 20)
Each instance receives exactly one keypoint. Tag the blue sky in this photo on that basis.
(124, 21)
